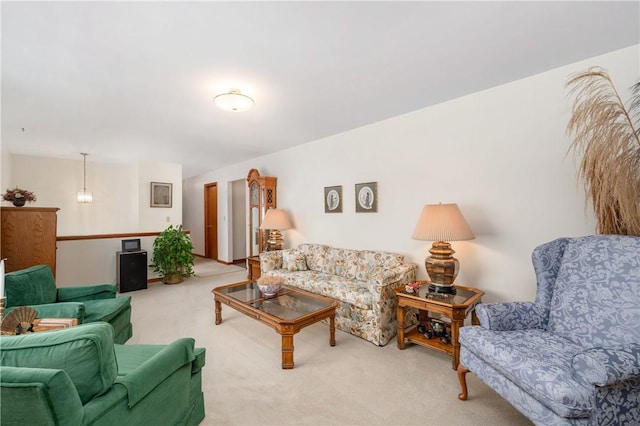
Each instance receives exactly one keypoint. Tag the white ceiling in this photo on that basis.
(129, 81)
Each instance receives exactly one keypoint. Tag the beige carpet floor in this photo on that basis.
(353, 383)
(204, 268)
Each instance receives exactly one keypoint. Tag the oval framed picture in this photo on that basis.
(333, 199)
(367, 197)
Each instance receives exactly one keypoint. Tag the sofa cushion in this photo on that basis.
(105, 309)
(356, 293)
(597, 293)
(31, 286)
(368, 260)
(293, 260)
(84, 352)
(316, 256)
(346, 264)
(538, 361)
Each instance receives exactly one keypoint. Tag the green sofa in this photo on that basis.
(78, 376)
(36, 287)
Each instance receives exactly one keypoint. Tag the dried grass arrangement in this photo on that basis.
(605, 138)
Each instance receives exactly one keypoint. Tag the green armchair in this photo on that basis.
(78, 376)
(36, 287)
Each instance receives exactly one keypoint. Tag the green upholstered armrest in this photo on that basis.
(38, 396)
(86, 292)
(143, 379)
(198, 363)
(85, 353)
(58, 310)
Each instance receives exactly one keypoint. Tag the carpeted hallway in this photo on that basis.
(353, 383)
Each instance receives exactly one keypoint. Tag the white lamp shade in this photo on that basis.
(85, 197)
(275, 219)
(233, 101)
(442, 222)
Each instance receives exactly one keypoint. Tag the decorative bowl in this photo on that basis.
(269, 286)
(269, 290)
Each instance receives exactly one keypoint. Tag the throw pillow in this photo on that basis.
(293, 260)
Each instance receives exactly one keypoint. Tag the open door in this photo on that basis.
(211, 220)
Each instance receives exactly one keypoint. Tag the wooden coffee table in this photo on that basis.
(287, 312)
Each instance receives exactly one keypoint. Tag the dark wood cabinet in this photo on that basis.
(29, 237)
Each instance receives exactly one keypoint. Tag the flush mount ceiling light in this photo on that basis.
(233, 101)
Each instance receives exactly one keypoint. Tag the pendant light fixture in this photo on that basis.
(233, 100)
(84, 196)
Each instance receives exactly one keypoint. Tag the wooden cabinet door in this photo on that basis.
(28, 237)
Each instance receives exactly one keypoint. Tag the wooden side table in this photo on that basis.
(455, 307)
(253, 268)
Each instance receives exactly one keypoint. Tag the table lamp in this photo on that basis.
(275, 220)
(442, 223)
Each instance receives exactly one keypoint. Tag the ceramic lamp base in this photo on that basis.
(441, 266)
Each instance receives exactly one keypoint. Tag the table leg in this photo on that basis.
(287, 351)
(455, 328)
(332, 330)
(400, 327)
(218, 311)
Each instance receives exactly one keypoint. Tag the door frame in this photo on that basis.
(214, 226)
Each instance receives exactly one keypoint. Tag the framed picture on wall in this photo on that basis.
(161, 194)
(333, 199)
(367, 197)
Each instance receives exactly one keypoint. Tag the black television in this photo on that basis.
(131, 245)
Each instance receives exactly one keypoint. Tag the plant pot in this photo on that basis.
(173, 279)
(19, 202)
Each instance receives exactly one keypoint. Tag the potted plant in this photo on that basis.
(172, 255)
(606, 139)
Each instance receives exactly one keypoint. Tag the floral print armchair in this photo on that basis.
(572, 357)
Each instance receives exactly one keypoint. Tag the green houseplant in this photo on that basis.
(172, 255)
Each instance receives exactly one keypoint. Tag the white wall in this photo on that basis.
(81, 262)
(500, 154)
(121, 200)
(238, 216)
(121, 204)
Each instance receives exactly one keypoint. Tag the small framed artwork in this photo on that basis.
(333, 199)
(367, 197)
(161, 194)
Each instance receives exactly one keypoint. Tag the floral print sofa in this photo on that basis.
(362, 281)
(572, 357)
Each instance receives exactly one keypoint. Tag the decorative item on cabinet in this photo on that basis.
(19, 196)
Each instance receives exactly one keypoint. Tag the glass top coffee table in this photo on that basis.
(288, 312)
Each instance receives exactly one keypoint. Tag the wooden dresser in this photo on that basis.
(29, 237)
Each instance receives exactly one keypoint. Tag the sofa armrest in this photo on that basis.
(270, 260)
(402, 274)
(38, 396)
(57, 310)
(606, 366)
(141, 381)
(510, 316)
(86, 292)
